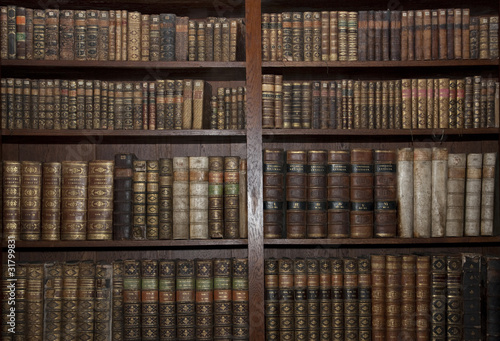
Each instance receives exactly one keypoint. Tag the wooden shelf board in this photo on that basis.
(381, 132)
(123, 64)
(123, 133)
(385, 64)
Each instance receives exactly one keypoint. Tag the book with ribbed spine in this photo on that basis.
(455, 195)
(52, 302)
(139, 104)
(86, 299)
(198, 197)
(49, 105)
(286, 297)
(273, 178)
(152, 199)
(149, 108)
(91, 34)
(408, 295)
(487, 194)
(460, 113)
(57, 103)
(351, 299)
(71, 271)
(134, 36)
(103, 124)
(438, 296)
(154, 37)
(20, 32)
(472, 304)
(122, 195)
(472, 222)
(178, 103)
(216, 197)
(169, 104)
(427, 34)
(74, 188)
(80, 105)
(231, 197)
(167, 36)
(186, 299)
(26, 103)
(337, 266)
(103, 36)
(385, 193)
(128, 107)
(271, 299)
(483, 37)
(365, 298)
(204, 274)
(139, 183)
(361, 193)
(312, 294)
(423, 296)
(149, 300)
(31, 200)
(296, 193)
(474, 37)
(103, 300)
(131, 299)
(266, 36)
(439, 190)
(158, 122)
(4, 38)
(79, 35)
(180, 201)
(52, 23)
(405, 192)
(393, 266)
(454, 297)
(240, 288)
(165, 214)
(422, 192)
(17, 120)
(457, 33)
(181, 38)
(325, 297)
(166, 299)
(222, 298)
(338, 193)
(192, 50)
(491, 278)
(268, 98)
(39, 34)
(316, 194)
(125, 41)
(300, 304)
(51, 201)
(117, 319)
(72, 107)
(100, 200)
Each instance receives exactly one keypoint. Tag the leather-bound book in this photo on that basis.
(361, 193)
(343, 47)
(185, 299)
(204, 273)
(297, 36)
(454, 297)
(468, 103)
(324, 104)
(325, 298)
(131, 299)
(473, 194)
(241, 322)
(334, 32)
(337, 266)
(166, 299)
(483, 37)
(100, 200)
(31, 200)
(49, 107)
(149, 106)
(80, 104)
(406, 98)
(465, 33)
(231, 197)
(286, 18)
(152, 198)
(493, 37)
(39, 34)
(325, 35)
(404, 35)
(165, 199)
(442, 34)
(472, 267)
(180, 199)
(286, 298)
(274, 195)
(308, 35)
(414, 103)
(157, 122)
(34, 301)
(338, 193)
(181, 38)
(134, 36)
(395, 35)
(411, 35)
(154, 37)
(296, 105)
(351, 299)
(26, 103)
(398, 105)
(439, 179)
(216, 197)
(198, 197)
(144, 37)
(117, 319)
(455, 195)
(296, 193)
(316, 194)
(112, 35)
(490, 104)
(103, 300)
(225, 38)
(419, 35)
(460, 103)
(312, 294)
(452, 104)
(201, 96)
(438, 300)
(167, 36)
(4, 38)
(450, 33)
(72, 107)
(139, 183)
(74, 200)
(474, 37)
(287, 105)
(209, 41)
(243, 209)
(222, 300)
(278, 104)
(42, 104)
(235, 28)
(52, 303)
(357, 104)
(17, 120)
(122, 195)
(427, 34)
(200, 41)
(69, 295)
(352, 36)
(487, 194)
(408, 296)
(187, 108)
(271, 299)
(365, 298)
(435, 34)
(217, 40)
(139, 101)
(124, 33)
(306, 105)
(128, 107)
(393, 296)
(385, 193)
(51, 34)
(268, 101)
(476, 102)
(423, 297)
(422, 192)
(86, 300)
(149, 300)
(457, 33)
(362, 35)
(51, 201)
(491, 280)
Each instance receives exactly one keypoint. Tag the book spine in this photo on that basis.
(52, 302)
(457, 33)
(473, 195)
(185, 299)
(385, 193)
(435, 34)
(493, 37)
(64, 105)
(222, 300)
(122, 196)
(427, 35)
(422, 192)
(11, 32)
(178, 103)
(273, 178)
(471, 284)
(131, 299)
(165, 214)
(438, 296)
(80, 105)
(103, 300)
(128, 107)
(100, 200)
(103, 41)
(460, 103)
(442, 31)
(12, 200)
(181, 38)
(296, 193)
(125, 41)
(152, 199)
(487, 193)
(31, 200)
(52, 34)
(204, 273)
(455, 195)
(4, 38)
(483, 37)
(117, 318)
(20, 32)
(181, 198)
(86, 299)
(337, 266)
(139, 183)
(134, 36)
(198, 197)
(200, 41)
(378, 308)
(361, 193)
(439, 191)
(166, 299)
(154, 37)
(243, 205)
(423, 297)
(149, 300)
(492, 280)
(71, 272)
(408, 295)
(88, 105)
(343, 47)
(405, 192)
(74, 189)
(231, 197)
(474, 37)
(271, 299)
(51, 201)
(338, 194)
(465, 33)
(80, 35)
(312, 295)
(351, 299)
(393, 266)
(450, 33)
(452, 104)
(241, 325)
(454, 297)
(316, 215)
(286, 297)
(18, 103)
(325, 298)
(395, 35)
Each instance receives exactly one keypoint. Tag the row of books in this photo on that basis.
(127, 199)
(470, 102)
(383, 297)
(370, 35)
(362, 193)
(101, 104)
(148, 299)
(91, 34)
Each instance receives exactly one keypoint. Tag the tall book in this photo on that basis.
(422, 192)
(69, 295)
(312, 294)
(393, 296)
(154, 37)
(139, 182)
(186, 299)
(296, 193)
(439, 191)
(438, 299)
(286, 298)
(117, 319)
(488, 193)
(11, 200)
(167, 299)
(21, 297)
(180, 203)
(271, 299)
(31, 200)
(492, 281)
(301, 303)
(222, 300)
(351, 299)
(241, 304)
(52, 23)
(338, 194)
(122, 195)
(204, 274)
(408, 296)
(361, 193)
(103, 300)
(216, 197)
(100, 200)
(423, 297)
(472, 221)
(316, 194)
(325, 298)
(181, 38)
(198, 197)
(103, 36)
(4, 38)
(51, 201)
(134, 36)
(385, 193)
(167, 36)
(149, 300)
(152, 198)
(34, 301)
(165, 199)
(273, 192)
(231, 197)
(52, 303)
(187, 108)
(472, 304)
(131, 299)
(337, 266)
(74, 189)
(454, 297)
(39, 34)
(86, 299)
(455, 195)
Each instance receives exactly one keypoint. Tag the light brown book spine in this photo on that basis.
(393, 296)
(74, 200)
(439, 191)
(181, 197)
(154, 37)
(427, 34)
(487, 193)
(378, 275)
(473, 194)
(442, 29)
(145, 43)
(423, 297)
(199, 94)
(198, 197)
(152, 199)
(422, 192)
(165, 214)
(51, 201)
(455, 195)
(231, 197)
(216, 196)
(408, 296)
(31, 200)
(181, 38)
(139, 182)
(133, 36)
(385, 194)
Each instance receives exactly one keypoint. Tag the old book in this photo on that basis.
(473, 194)
(72, 104)
(216, 197)
(474, 37)
(297, 36)
(231, 197)
(271, 298)
(185, 299)
(39, 34)
(166, 298)
(91, 34)
(52, 302)
(71, 271)
(132, 299)
(165, 199)
(378, 307)
(241, 325)
(79, 34)
(438, 299)
(472, 304)
(167, 36)
(51, 34)
(450, 33)
(74, 189)
(455, 195)
(460, 103)
(334, 33)
(487, 193)
(468, 103)
(393, 264)
(312, 294)
(11, 32)
(435, 34)
(139, 183)
(273, 192)
(452, 104)
(362, 35)
(408, 295)
(181, 38)
(385, 193)
(80, 104)
(352, 35)
(31, 200)
(351, 299)
(103, 35)
(225, 39)
(117, 319)
(422, 192)
(454, 297)
(154, 37)
(4, 39)
(222, 300)
(144, 37)
(34, 301)
(123, 195)
(103, 300)
(422, 296)
(88, 105)
(306, 105)
(204, 277)
(457, 33)
(51, 201)
(442, 34)
(316, 185)
(465, 33)
(200, 41)
(325, 297)
(112, 35)
(180, 199)
(476, 102)
(338, 193)
(296, 193)
(49, 105)
(308, 35)
(361, 193)
(11, 200)
(125, 41)
(20, 32)
(152, 199)
(198, 197)
(286, 297)
(411, 35)
(266, 35)
(483, 37)
(201, 95)
(395, 35)
(492, 281)
(490, 104)
(439, 191)
(26, 103)
(149, 299)
(128, 105)
(337, 294)
(243, 209)
(419, 35)
(287, 39)
(268, 100)
(133, 36)
(427, 34)
(493, 37)
(85, 315)
(100, 200)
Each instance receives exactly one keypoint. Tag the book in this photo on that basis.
(180, 198)
(338, 194)
(408, 295)
(316, 216)
(51, 201)
(296, 193)
(187, 109)
(20, 32)
(454, 297)
(31, 200)
(85, 315)
(132, 299)
(439, 191)
(185, 299)
(422, 192)
(71, 273)
(325, 297)
(361, 193)
(438, 296)
(4, 39)
(472, 304)
(181, 38)
(487, 194)
(273, 192)
(393, 264)
(103, 300)
(154, 37)
(134, 35)
(117, 319)
(385, 193)
(167, 36)
(472, 222)
(100, 200)
(222, 299)
(312, 294)
(167, 298)
(198, 197)
(271, 298)
(241, 322)
(423, 296)
(351, 298)
(139, 183)
(79, 34)
(74, 188)
(204, 306)
(231, 197)
(122, 195)
(492, 280)
(152, 199)
(378, 308)
(337, 267)
(11, 32)
(455, 195)
(286, 283)
(165, 199)
(52, 299)
(149, 299)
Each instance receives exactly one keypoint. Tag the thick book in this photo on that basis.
(165, 199)
(455, 195)
(122, 195)
(454, 297)
(39, 34)
(393, 264)
(31, 200)
(52, 23)
(271, 298)
(231, 197)
(74, 189)
(103, 300)
(167, 299)
(51, 201)
(422, 192)
(408, 295)
(100, 200)
(338, 194)
(296, 193)
(152, 199)
(167, 36)
(85, 315)
(488, 194)
(103, 36)
(472, 267)
(149, 300)
(139, 183)
(132, 299)
(198, 197)
(273, 192)
(204, 306)
(317, 217)
(185, 299)
(472, 223)
(11, 32)
(216, 197)
(134, 36)
(241, 322)
(491, 280)
(52, 302)
(181, 38)
(180, 199)
(71, 272)
(385, 193)
(361, 193)
(222, 298)
(20, 32)
(423, 297)
(439, 191)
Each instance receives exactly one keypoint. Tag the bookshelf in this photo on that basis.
(58, 145)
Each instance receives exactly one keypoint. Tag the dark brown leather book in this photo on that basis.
(137, 104)
(122, 195)
(493, 37)
(471, 285)
(185, 299)
(465, 33)
(26, 103)
(454, 297)
(91, 34)
(39, 34)
(460, 102)
(271, 298)
(31, 200)
(100, 200)
(297, 36)
(144, 44)
(71, 272)
(296, 193)
(435, 34)
(222, 300)
(216, 197)
(306, 105)
(180, 198)
(411, 35)
(149, 300)
(268, 100)
(117, 319)
(474, 37)
(351, 299)
(243, 214)
(52, 302)
(133, 36)
(438, 299)
(51, 201)
(132, 299)
(287, 36)
(419, 35)
(393, 296)
(385, 194)
(181, 38)
(492, 281)
(450, 33)
(4, 38)
(337, 268)
(204, 274)
(241, 324)
(209, 41)
(52, 34)
(34, 301)
(378, 275)
(338, 193)
(149, 115)
(365, 298)
(343, 48)
(315, 105)
(395, 35)
(274, 183)
(85, 315)
(231, 197)
(166, 298)
(363, 35)
(286, 297)
(427, 34)
(352, 36)
(457, 33)
(158, 122)
(316, 194)
(139, 183)
(307, 34)
(152, 199)
(103, 300)
(408, 295)
(165, 203)
(325, 298)
(361, 193)
(20, 32)
(443, 37)
(334, 34)
(324, 105)
(200, 41)
(74, 200)
(423, 297)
